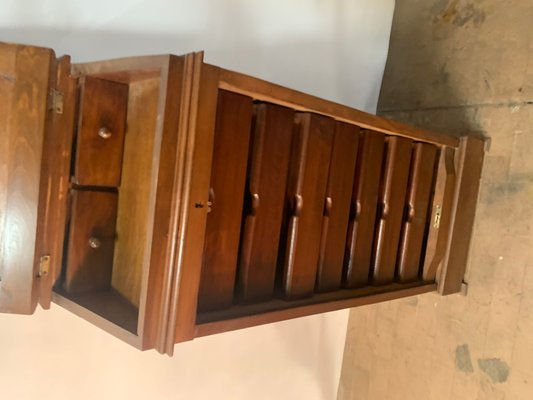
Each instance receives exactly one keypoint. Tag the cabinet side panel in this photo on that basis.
(183, 314)
(157, 286)
(469, 162)
(24, 82)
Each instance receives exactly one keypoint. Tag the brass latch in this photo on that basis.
(55, 102)
(44, 266)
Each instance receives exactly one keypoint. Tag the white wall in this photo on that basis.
(332, 49)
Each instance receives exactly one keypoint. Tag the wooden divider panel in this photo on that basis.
(337, 206)
(308, 176)
(268, 168)
(363, 216)
(228, 175)
(391, 204)
(421, 180)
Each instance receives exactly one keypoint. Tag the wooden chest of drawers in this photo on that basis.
(163, 198)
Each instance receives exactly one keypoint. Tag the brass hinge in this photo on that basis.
(44, 266)
(436, 221)
(55, 102)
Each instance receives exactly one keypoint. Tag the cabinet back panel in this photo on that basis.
(135, 190)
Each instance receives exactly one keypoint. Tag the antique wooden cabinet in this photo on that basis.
(163, 198)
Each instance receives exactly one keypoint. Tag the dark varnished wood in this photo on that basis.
(421, 179)
(306, 191)
(268, 169)
(391, 204)
(103, 105)
(228, 174)
(93, 217)
(363, 209)
(163, 185)
(267, 91)
(337, 206)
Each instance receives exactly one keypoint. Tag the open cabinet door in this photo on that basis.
(25, 79)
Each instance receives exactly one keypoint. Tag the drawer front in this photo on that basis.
(269, 165)
(307, 184)
(91, 241)
(101, 132)
(364, 205)
(337, 207)
(391, 203)
(228, 177)
(419, 192)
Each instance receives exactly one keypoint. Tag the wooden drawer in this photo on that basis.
(100, 139)
(168, 199)
(91, 241)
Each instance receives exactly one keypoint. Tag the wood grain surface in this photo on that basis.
(103, 106)
(421, 180)
(228, 174)
(391, 205)
(133, 219)
(24, 82)
(268, 169)
(306, 193)
(363, 210)
(91, 241)
(337, 207)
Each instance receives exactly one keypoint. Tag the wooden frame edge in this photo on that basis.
(469, 163)
(211, 328)
(266, 91)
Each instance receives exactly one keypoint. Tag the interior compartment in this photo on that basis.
(118, 294)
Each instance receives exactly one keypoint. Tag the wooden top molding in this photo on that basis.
(266, 91)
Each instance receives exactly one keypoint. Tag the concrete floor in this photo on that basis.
(457, 66)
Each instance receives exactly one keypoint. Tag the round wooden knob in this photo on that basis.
(94, 243)
(104, 133)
